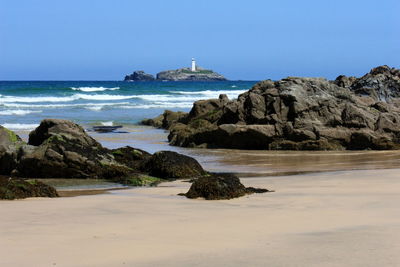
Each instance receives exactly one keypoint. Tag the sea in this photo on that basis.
(23, 104)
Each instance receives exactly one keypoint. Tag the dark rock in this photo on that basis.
(156, 122)
(220, 186)
(171, 165)
(106, 129)
(165, 120)
(62, 149)
(54, 127)
(131, 157)
(171, 117)
(139, 76)
(9, 145)
(381, 83)
(11, 188)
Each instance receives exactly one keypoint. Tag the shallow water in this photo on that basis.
(255, 162)
(251, 162)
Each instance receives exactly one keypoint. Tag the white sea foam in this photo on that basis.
(20, 126)
(26, 99)
(107, 123)
(169, 98)
(38, 99)
(18, 112)
(212, 94)
(12, 105)
(94, 89)
(95, 108)
(161, 105)
(104, 97)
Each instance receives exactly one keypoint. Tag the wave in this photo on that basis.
(18, 112)
(107, 123)
(175, 96)
(12, 105)
(161, 105)
(20, 126)
(38, 99)
(94, 89)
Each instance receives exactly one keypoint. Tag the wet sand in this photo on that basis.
(256, 162)
(349, 218)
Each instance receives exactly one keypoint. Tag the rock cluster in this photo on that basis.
(62, 149)
(139, 76)
(299, 114)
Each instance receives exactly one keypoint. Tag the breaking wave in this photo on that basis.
(94, 89)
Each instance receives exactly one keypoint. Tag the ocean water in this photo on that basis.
(23, 104)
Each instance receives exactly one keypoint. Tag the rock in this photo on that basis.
(139, 76)
(185, 74)
(11, 188)
(134, 158)
(9, 145)
(54, 127)
(165, 120)
(381, 83)
(62, 149)
(171, 117)
(171, 165)
(300, 114)
(156, 122)
(220, 186)
(344, 81)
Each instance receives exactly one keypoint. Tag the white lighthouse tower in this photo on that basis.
(193, 65)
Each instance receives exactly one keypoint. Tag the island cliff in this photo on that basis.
(186, 74)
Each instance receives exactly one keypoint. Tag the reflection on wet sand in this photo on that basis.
(255, 162)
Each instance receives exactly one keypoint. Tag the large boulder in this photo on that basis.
(220, 186)
(9, 145)
(300, 114)
(62, 149)
(11, 188)
(171, 165)
(56, 127)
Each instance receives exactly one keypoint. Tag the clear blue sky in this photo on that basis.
(252, 40)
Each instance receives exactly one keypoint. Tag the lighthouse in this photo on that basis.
(193, 65)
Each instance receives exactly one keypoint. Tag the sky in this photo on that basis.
(247, 40)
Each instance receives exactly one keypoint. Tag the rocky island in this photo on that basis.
(194, 73)
(139, 76)
(296, 113)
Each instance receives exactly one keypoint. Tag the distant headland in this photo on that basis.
(194, 73)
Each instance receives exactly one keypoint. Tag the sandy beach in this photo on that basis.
(349, 218)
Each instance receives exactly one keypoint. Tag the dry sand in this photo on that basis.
(349, 218)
